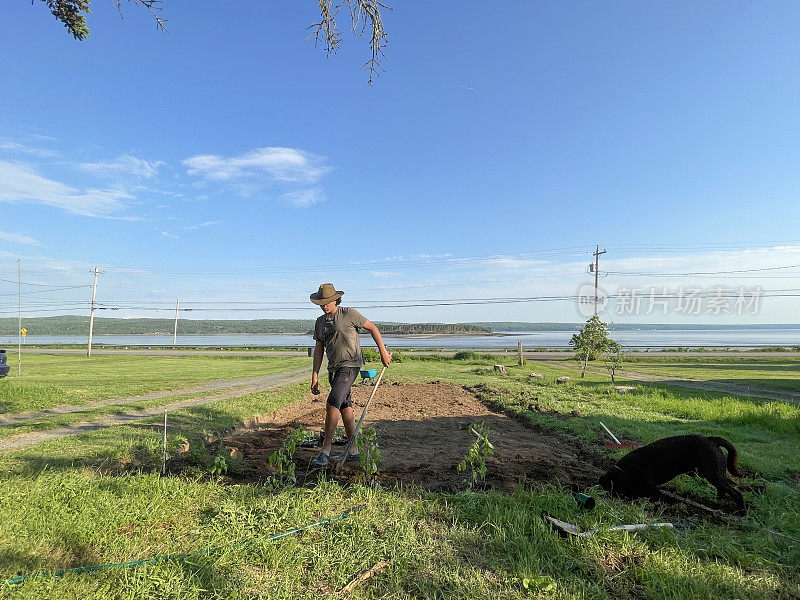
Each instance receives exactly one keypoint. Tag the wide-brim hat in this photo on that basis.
(325, 294)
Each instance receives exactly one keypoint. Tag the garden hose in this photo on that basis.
(183, 555)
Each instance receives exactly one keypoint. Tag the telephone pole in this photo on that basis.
(175, 334)
(597, 254)
(91, 314)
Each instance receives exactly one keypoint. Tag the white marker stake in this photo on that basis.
(613, 437)
(164, 465)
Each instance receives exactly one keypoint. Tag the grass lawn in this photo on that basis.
(781, 373)
(73, 502)
(52, 380)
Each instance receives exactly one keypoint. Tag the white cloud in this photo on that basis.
(303, 198)
(384, 274)
(125, 165)
(7, 145)
(17, 238)
(200, 225)
(278, 164)
(21, 183)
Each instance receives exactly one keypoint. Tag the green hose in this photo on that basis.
(158, 559)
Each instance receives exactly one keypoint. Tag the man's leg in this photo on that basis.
(339, 402)
(331, 421)
(349, 420)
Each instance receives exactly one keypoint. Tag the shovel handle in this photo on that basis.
(363, 414)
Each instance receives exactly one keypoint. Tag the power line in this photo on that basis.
(654, 274)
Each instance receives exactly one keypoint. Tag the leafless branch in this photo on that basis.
(367, 13)
(153, 7)
(364, 14)
(326, 29)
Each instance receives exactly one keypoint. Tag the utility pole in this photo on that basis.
(175, 334)
(597, 254)
(91, 314)
(19, 315)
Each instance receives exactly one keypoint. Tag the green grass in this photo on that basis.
(69, 502)
(57, 380)
(782, 373)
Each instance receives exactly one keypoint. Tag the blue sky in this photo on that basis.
(228, 161)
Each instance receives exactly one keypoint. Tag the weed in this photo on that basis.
(369, 453)
(197, 452)
(282, 460)
(472, 356)
(476, 454)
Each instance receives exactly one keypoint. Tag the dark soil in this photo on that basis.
(423, 433)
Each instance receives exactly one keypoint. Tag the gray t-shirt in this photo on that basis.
(339, 334)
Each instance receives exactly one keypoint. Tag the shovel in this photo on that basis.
(352, 440)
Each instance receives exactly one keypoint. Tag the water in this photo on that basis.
(745, 337)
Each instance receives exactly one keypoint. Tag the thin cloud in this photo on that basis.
(125, 165)
(12, 147)
(21, 183)
(277, 163)
(304, 198)
(18, 239)
(201, 225)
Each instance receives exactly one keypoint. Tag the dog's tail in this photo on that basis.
(733, 456)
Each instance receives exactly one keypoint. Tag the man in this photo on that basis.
(336, 334)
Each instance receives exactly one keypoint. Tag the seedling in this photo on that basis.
(477, 453)
(197, 452)
(220, 466)
(369, 454)
(282, 460)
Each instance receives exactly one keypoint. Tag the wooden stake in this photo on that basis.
(363, 576)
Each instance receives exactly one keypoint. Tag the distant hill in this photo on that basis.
(521, 326)
(79, 325)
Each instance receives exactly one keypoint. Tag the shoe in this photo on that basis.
(321, 460)
(350, 458)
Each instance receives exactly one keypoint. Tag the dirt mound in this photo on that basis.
(423, 433)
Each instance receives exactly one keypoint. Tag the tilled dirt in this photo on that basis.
(423, 432)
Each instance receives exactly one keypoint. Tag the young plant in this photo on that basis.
(613, 358)
(282, 460)
(197, 452)
(590, 342)
(477, 453)
(369, 454)
(220, 466)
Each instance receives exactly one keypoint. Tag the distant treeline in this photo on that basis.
(79, 325)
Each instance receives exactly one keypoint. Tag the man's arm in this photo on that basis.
(386, 358)
(319, 351)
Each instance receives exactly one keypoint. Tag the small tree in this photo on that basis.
(590, 342)
(613, 358)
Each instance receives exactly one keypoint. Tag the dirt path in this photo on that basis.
(247, 383)
(165, 352)
(709, 386)
(423, 433)
(267, 382)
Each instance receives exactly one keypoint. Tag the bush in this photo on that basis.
(472, 355)
(370, 355)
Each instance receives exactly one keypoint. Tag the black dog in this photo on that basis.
(638, 473)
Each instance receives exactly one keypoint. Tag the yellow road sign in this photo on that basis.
(24, 332)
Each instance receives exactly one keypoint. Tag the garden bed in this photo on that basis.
(423, 433)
